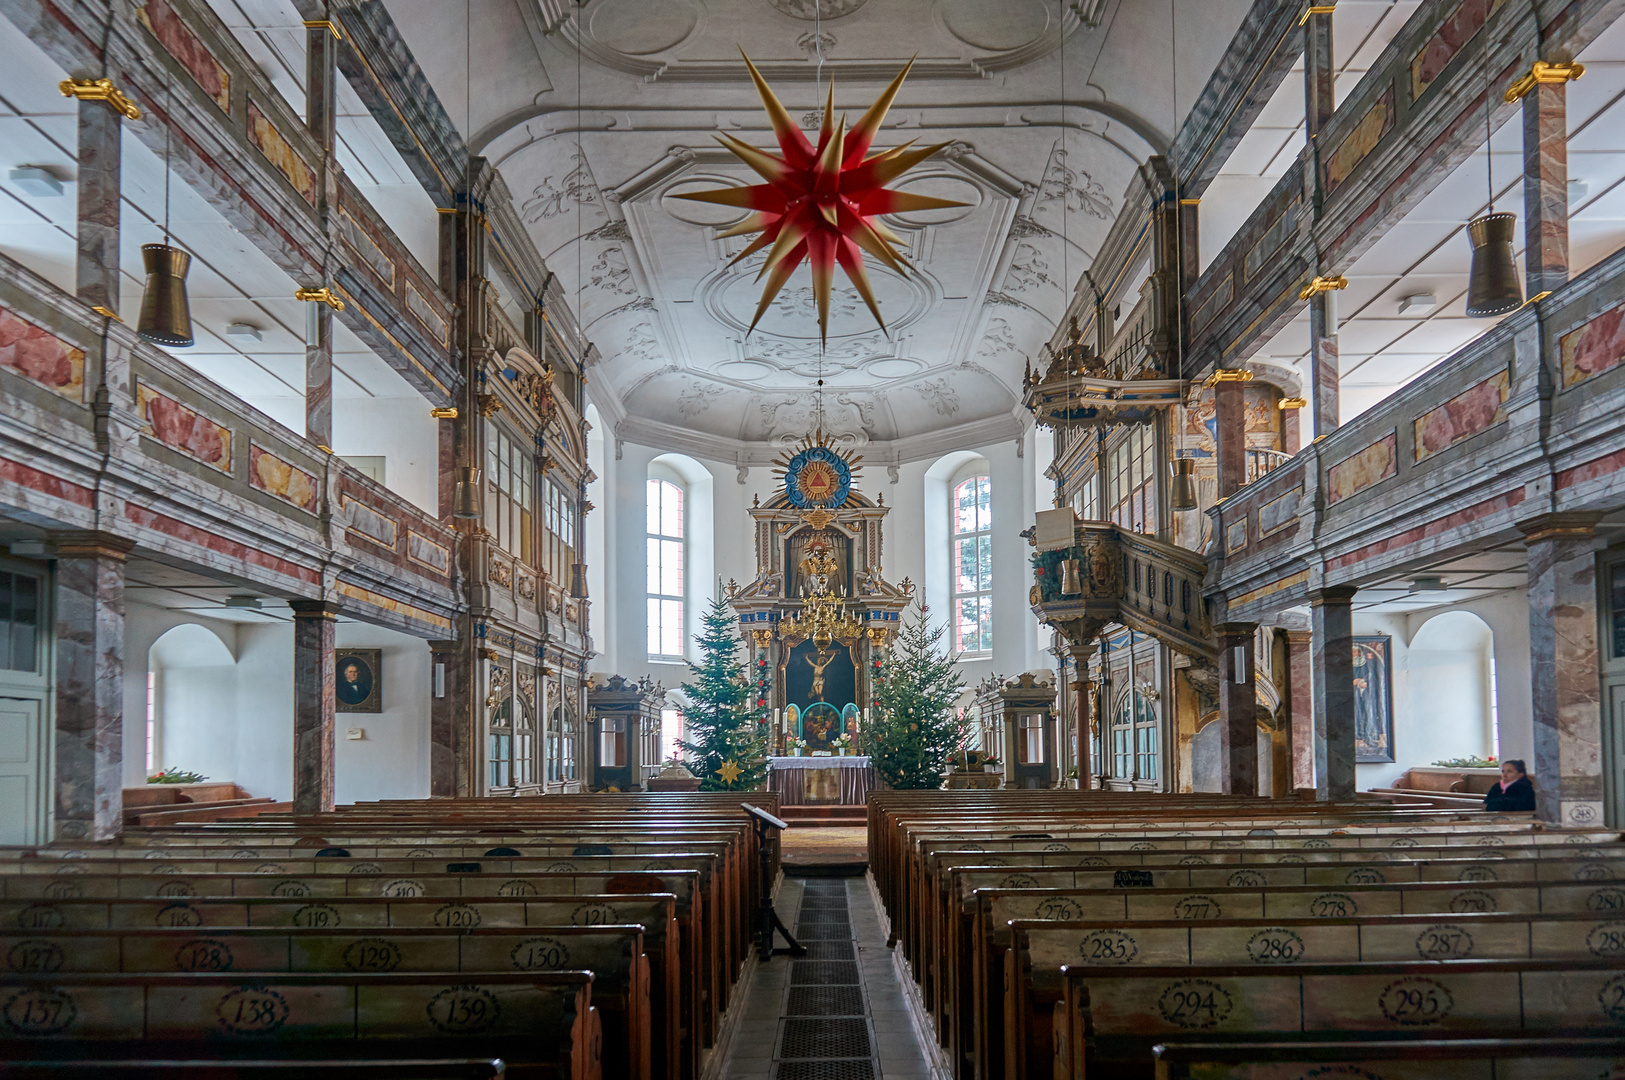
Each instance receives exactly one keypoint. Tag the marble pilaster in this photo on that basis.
(319, 379)
(1291, 431)
(89, 743)
(1325, 408)
(1300, 707)
(1238, 710)
(1546, 188)
(1319, 73)
(1082, 687)
(98, 183)
(1563, 673)
(1230, 417)
(444, 715)
(1332, 658)
(314, 705)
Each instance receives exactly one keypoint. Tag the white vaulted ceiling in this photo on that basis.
(594, 151)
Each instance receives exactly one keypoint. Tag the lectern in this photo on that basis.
(767, 919)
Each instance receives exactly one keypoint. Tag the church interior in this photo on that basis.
(812, 539)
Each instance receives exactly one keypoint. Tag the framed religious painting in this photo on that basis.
(1373, 699)
(358, 680)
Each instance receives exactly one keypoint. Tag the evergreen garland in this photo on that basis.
(913, 726)
(728, 749)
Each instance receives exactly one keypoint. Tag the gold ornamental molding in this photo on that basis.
(1320, 285)
(444, 412)
(324, 24)
(1292, 403)
(100, 90)
(323, 295)
(1224, 375)
(1315, 9)
(1542, 72)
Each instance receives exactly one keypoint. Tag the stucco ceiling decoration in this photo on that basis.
(598, 179)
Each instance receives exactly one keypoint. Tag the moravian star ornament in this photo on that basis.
(823, 203)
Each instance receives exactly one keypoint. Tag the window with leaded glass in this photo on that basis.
(971, 564)
(665, 570)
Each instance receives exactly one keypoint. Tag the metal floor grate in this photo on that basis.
(830, 950)
(806, 932)
(825, 1038)
(825, 1001)
(861, 1069)
(824, 973)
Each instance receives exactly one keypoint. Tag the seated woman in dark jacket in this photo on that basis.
(1514, 792)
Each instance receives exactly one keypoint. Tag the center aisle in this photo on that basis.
(838, 1014)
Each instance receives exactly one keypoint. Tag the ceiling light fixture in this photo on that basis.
(1422, 301)
(166, 314)
(244, 332)
(823, 204)
(36, 181)
(1428, 584)
(252, 603)
(1493, 287)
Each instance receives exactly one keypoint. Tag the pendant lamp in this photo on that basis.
(466, 499)
(1071, 578)
(1493, 287)
(166, 315)
(578, 581)
(1182, 492)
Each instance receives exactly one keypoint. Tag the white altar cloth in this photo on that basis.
(850, 761)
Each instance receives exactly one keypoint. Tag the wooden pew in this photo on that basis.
(677, 1012)
(614, 954)
(492, 1069)
(541, 1024)
(1411, 1059)
(1110, 1018)
(1039, 950)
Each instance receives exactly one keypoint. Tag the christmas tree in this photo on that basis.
(913, 726)
(729, 752)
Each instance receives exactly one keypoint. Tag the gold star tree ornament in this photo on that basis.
(729, 772)
(823, 203)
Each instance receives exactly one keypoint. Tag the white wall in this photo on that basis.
(401, 431)
(391, 760)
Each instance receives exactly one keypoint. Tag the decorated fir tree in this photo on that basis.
(729, 753)
(913, 726)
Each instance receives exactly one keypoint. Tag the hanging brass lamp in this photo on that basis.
(1071, 578)
(166, 316)
(578, 581)
(1182, 492)
(1493, 286)
(466, 499)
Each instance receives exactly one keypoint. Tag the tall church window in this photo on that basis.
(1133, 474)
(971, 562)
(665, 556)
(511, 474)
(559, 519)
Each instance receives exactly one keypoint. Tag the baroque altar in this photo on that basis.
(819, 615)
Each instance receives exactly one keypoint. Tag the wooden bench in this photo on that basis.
(1110, 1018)
(1411, 1059)
(636, 1043)
(678, 1011)
(1039, 950)
(541, 1024)
(329, 1069)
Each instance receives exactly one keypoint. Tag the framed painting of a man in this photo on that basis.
(1373, 699)
(358, 680)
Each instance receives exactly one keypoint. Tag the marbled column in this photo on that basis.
(1324, 406)
(320, 80)
(443, 716)
(1238, 710)
(1563, 674)
(1300, 707)
(1332, 658)
(1083, 688)
(99, 168)
(89, 766)
(1319, 73)
(1291, 438)
(1230, 417)
(1190, 251)
(314, 622)
(1546, 188)
(319, 380)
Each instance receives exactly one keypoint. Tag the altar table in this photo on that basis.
(828, 781)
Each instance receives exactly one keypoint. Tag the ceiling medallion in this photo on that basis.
(823, 203)
(809, 10)
(818, 476)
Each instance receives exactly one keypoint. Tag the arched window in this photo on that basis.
(970, 560)
(666, 564)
